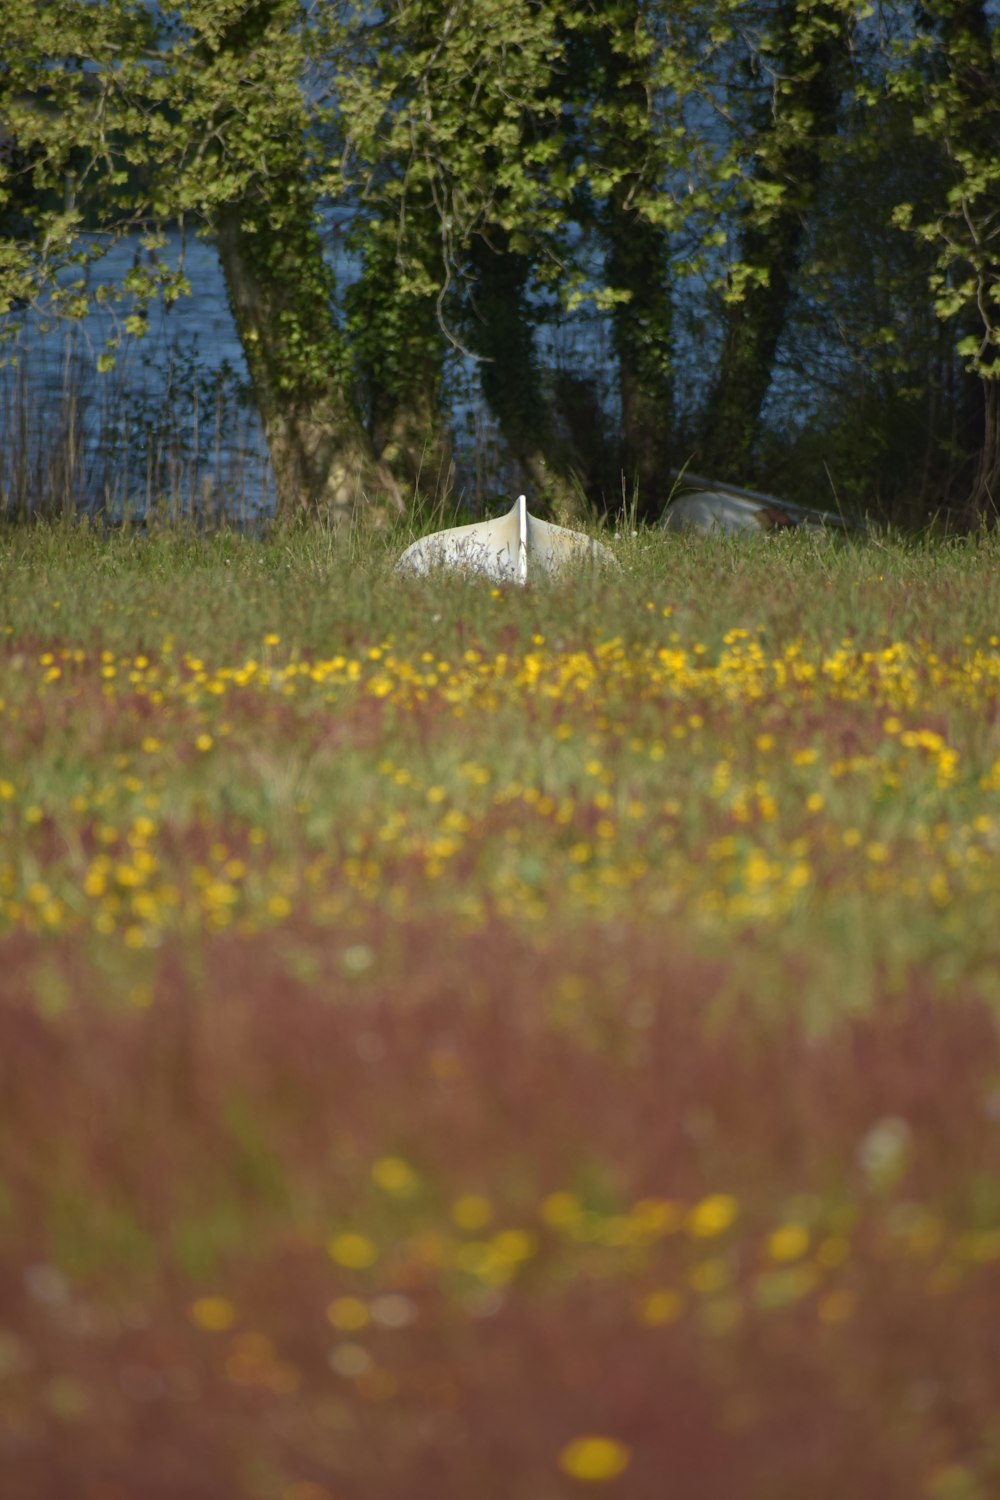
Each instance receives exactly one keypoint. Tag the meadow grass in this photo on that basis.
(478, 1041)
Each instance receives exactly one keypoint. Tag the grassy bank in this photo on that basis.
(463, 1040)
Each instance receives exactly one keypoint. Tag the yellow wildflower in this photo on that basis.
(594, 1459)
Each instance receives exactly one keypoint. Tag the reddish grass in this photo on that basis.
(209, 1143)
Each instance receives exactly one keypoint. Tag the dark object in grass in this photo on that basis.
(706, 505)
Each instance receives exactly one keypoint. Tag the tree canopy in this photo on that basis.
(779, 225)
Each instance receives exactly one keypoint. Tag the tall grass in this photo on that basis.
(157, 436)
(168, 436)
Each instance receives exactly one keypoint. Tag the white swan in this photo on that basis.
(508, 549)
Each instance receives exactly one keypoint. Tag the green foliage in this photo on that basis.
(66, 186)
(631, 158)
(946, 68)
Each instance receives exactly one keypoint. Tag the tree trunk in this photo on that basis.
(511, 381)
(968, 36)
(398, 350)
(280, 287)
(641, 334)
(636, 262)
(983, 504)
(791, 135)
(280, 294)
(413, 444)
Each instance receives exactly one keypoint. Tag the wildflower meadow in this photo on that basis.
(493, 1043)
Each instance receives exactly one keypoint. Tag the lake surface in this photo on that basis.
(173, 417)
(174, 421)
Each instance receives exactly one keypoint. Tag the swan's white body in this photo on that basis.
(509, 549)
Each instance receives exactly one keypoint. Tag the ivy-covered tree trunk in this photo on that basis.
(793, 116)
(636, 263)
(280, 295)
(280, 287)
(398, 350)
(984, 499)
(970, 92)
(637, 257)
(503, 337)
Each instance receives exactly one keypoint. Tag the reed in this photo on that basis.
(158, 436)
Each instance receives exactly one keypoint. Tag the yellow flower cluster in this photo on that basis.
(640, 777)
(793, 1256)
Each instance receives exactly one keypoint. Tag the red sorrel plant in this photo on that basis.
(490, 1221)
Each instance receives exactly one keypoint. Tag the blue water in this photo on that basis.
(174, 424)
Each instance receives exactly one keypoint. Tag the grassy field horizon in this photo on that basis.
(466, 1040)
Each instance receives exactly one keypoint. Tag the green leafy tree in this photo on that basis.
(946, 68)
(450, 120)
(783, 86)
(626, 199)
(67, 179)
(496, 166)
